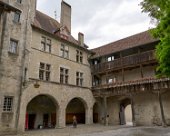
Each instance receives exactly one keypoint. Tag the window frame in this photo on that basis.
(45, 44)
(19, 1)
(79, 78)
(45, 71)
(79, 56)
(17, 17)
(64, 75)
(64, 51)
(12, 49)
(8, 105)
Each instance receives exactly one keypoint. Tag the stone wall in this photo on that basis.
(62, 95)
(11, 66)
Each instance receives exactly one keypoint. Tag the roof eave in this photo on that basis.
(94, 57)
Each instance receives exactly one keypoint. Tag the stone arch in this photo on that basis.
(125, 113)
(80, 98)
(29, 94)
(41, 112)
(76, 106)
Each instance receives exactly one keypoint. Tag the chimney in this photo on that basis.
(81, 39)
(65, 18)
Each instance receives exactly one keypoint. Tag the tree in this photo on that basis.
(159, 11)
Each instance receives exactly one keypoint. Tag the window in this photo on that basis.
(111, 80)
(111, 58)
(8, 103)
(19, 1)
(13, 46)
(17, 17)
(44, 71)
(63, 75)
(79, 56)
(95, 62)
(64, 51)
(25, 74)
(45, 44)
(79, 79)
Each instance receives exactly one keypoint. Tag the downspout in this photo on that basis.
(22, 70)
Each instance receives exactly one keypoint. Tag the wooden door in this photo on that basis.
(31, 121)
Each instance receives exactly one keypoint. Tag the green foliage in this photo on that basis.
(159, 10)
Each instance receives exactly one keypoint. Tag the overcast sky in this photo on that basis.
(101, 21)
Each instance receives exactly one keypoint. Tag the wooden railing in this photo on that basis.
(124, 62)
(137, 86)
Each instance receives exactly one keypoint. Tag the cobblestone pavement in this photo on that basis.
(138, 131)
(100, 130)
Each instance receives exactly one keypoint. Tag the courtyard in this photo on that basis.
(100, 130)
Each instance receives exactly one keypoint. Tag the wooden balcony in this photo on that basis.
(132, 87)
(129, 61)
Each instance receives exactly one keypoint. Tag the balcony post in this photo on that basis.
(123, 78)
(141, 67)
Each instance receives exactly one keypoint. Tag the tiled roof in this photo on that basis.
(45, 22)
(50, 25)
(129, 42)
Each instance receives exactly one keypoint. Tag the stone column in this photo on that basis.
(61, 115)
(162, 110)
(105, 108)
(89, 115)
(133, 111)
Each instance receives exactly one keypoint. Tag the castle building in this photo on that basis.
(124, 73)
(47, 76)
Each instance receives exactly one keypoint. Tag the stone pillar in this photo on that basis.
(61, 116)
(105, 108)
(89, 115)
(162, 110)
(133, 112)
(22, 117)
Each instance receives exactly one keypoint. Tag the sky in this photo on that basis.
(101, 21)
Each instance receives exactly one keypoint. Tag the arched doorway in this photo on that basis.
(128, 114)
(125, 113)
(41, 113)
(76, 108)
(95, 113)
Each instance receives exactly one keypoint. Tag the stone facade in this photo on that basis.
(11, 65)
(20, 71)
